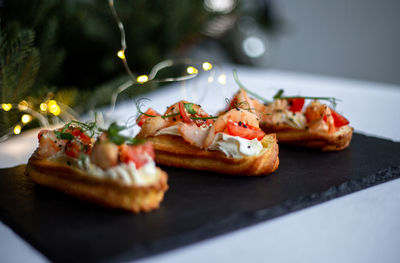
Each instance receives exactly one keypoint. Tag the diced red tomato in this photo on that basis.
(73, 149)
(184, 114)
(244, 131)
(81, 135)
(338, 119)
(296, 105)
(136, 153)
(142, 118)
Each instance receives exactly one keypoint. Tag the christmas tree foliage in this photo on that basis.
(19, 65)
(66, 49)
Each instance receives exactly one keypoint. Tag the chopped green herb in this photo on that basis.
(64, 135)
(189, 108)
(113, 135)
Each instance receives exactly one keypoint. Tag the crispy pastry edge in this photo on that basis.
(318, 140)
(102, 191)
(174, 151)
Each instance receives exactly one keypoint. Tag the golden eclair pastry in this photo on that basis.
(111, 170)
(187, 137)
(315, 126)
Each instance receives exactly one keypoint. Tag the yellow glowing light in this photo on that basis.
(43, 106)
(23, 105)
(57, 111)
(53, 107)
(26, 118)
(6, 106)
(142, 79)
(121, 54)
(210, 79)
(17, 129)
(207, 66)
(222, 79)
(192, 70)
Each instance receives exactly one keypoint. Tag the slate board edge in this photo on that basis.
(239, 220)
(229, 224)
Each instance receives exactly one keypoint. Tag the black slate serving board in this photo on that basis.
(198, 205)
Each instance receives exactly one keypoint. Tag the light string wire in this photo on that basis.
(157, 68)
(64, 113)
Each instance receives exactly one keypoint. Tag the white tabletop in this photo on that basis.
(360, 227)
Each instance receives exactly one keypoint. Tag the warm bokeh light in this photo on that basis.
(210, 79)
(53, 107)
(26, 118)
(57, 111)
(17, 129)
(222, 79)
(121, 54)
(6, 106)
(43, 106)
(23, 105)
(207, 66)
(142, 79)
(192, 70)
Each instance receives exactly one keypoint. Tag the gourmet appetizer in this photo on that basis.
(186, 136)
(100, 166)
(315, 126)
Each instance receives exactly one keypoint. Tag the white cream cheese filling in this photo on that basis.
(125, 173)
(235, 146)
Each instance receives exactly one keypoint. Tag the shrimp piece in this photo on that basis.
(182, 114)
(152, 125)
(234, 115)
(193, 134)
(274, 113)
(242, 100)
(319, 117)
(49, 144)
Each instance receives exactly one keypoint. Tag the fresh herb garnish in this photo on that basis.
(64, 135)
(88, 127)
(279, 94)
(189, 108)
(235, 76)
(113, 135)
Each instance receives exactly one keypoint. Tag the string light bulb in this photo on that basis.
(26, 118)
(192, 70)
(23, 105)
(207, 66)
(43, 107)
(6, 106)
(121, 54)
(142, 79)
(53, 107)
(17, 129)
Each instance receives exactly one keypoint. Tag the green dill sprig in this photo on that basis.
(235, 76)
(89, 128)
(279, 94)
